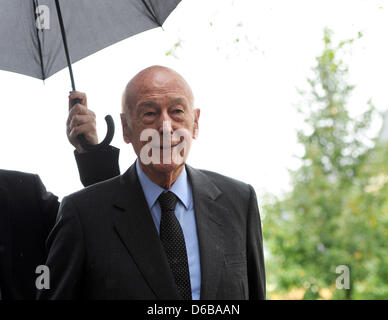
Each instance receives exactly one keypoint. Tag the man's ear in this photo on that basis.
(197, 113)
(126, 129)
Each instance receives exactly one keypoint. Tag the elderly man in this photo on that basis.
(162, 230)
(28, 211)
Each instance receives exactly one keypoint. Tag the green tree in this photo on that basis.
(329, 218)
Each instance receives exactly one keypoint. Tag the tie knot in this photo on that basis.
(167, 201)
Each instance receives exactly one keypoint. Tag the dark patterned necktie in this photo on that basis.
(173, 241)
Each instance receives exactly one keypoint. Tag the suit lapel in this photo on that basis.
(136, 229)
(208, 214)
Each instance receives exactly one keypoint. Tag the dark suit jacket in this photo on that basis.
(27, 215)
(105, 244)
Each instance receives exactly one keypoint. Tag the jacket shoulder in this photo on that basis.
(96, 191)
(10, 178)
(233, 189)
(223, 181)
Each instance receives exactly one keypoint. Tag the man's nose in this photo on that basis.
(165, 124)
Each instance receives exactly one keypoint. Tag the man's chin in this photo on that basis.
(165, 168)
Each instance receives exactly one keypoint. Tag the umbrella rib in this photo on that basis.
(151, 12)
(39, 44)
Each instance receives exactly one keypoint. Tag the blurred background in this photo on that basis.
(293, 99)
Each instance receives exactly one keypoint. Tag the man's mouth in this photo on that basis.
(169, 146)
(166, 147)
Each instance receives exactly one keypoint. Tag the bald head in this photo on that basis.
(156, 79)
(158, 105)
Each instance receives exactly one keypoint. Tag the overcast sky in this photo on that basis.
(244, 60)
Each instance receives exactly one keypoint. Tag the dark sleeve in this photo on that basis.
(99, 165)
(66, 255)
(255, 254)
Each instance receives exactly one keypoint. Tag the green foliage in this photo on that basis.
(337, 211)
(173, 51)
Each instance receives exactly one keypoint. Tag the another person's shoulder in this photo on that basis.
(17, 178)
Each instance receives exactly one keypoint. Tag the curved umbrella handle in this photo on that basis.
(108, 138)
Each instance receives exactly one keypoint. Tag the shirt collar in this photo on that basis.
(181, 187)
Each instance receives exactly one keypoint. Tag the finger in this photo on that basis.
(77, 95)
(76, 110)
(87, 129)
(72, 136)
(78, 120)
(79, 115)
(79, 109)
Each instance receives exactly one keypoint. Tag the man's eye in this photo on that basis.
(177, 111)
(149, 114)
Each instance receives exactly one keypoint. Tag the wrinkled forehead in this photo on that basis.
(157, 83)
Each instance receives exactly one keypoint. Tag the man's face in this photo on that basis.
(160, 121)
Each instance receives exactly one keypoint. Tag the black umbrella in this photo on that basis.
(41, 37)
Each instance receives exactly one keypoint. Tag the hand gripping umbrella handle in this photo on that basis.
(109, 121)
(108, 138)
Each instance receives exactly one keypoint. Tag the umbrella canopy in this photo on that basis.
(40, 37)
(30, 34)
